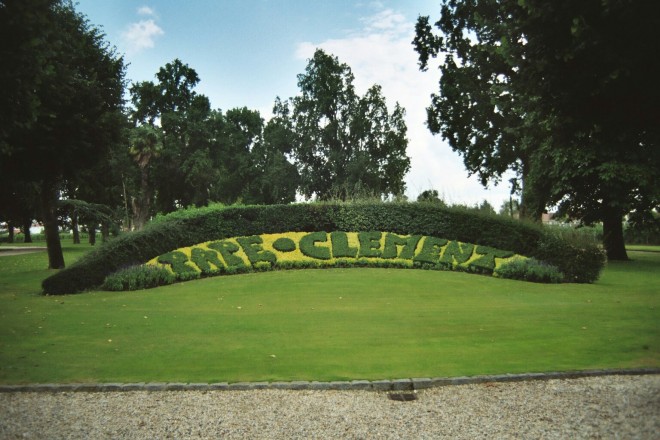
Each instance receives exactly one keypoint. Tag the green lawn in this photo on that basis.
(335, 324)
(643, 247)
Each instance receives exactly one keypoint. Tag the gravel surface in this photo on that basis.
(609, 407)
(6, 251)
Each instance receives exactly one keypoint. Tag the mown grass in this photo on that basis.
(643, 248)
(336, 324)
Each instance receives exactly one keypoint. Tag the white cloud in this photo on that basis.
(388, 22)
(141, 35)
(146, 10)
(382, 53)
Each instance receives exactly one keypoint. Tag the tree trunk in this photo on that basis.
(127, 225)
(49, 215)
(531, 207)
(613, 235)
(27, 224)
(74, 226)
(10, 231)
(105, 231)
(141, 204)
(91, 229)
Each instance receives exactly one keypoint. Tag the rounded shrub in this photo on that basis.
(529, 269)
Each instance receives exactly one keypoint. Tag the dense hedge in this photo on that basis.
(195, 226)
(318, 250)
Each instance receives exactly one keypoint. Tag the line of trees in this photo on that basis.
(563, 93)
(72, 150)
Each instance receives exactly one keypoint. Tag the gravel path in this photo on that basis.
(609, 407)
(6, 251)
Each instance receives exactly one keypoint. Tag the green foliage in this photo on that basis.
(178, 261)
(431, 249)
(340, 247)
(227, 249)
(578, 261)
(430, 196)
(457, 252)
(369, 244)
(643, 228)
(61, 100)
(284, 244)
(186, 228)
(343, 143)
(254, 251)
(529, 269)
(206, 154)
(393, 242)
(308, 246)
(558, 92)
(202, 258)
(137, 278)
(487, 261)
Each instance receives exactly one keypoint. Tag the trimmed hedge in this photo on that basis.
(190, 227)
(320, 249)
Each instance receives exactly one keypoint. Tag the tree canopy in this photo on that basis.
(560, 92)
(343, 142)
(66, 85)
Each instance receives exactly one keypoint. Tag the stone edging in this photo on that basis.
(364, 385)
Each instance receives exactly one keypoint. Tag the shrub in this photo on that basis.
(138, 277)
(340, 247)
(529, 269)
(284, 244)
(308, 246)
(370, 244)
(260, 253)
(580, 262)
(190, 227)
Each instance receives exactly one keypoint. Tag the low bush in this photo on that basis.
(190, 227)
(529, 269)
(138, 277)
(579, 261)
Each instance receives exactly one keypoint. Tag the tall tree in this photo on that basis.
(184, 171)
(72, 82)
(238, 131)
(145, 145)
(561, 92)
(276, 177)
(341, 140)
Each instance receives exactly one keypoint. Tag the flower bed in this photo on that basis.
(578, 262)
(292, 250)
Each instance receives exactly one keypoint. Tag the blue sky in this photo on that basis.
(248, 52)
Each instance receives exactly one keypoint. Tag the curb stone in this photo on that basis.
(375, 385)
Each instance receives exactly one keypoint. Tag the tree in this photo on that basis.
(560, 92)
(485, 207)
(145, 145)
(430, 196)
(18, 205)
(238, 133)
(342, 141)
(182, 172)
(73, 85)
(276, 178)
(510, 208)
(210, 155)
